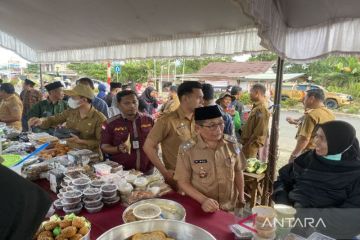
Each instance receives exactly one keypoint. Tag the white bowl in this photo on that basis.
(147, 211)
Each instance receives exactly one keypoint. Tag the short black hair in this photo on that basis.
(316, 93)
(124, 93)
(235, 90)
(86, 81)
(208, 91)
(259, 88)
(187, 88)
(8, 88)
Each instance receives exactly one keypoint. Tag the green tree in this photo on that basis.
(32, 68)
(265, 56)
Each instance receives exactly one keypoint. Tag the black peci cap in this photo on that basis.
(209, 112)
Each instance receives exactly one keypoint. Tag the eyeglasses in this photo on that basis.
(214, 126)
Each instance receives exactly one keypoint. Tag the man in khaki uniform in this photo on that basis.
(11, 107)
(173, 129)
(315, 113)
(82, 118)
(209, 166)
(173, 103)
(255, 130)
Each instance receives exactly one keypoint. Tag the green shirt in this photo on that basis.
(46, 108)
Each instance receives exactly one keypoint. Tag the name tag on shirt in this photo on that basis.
(135, 144)
(200, 161)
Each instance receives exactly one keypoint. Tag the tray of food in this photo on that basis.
(66, 227)
(169, 210)
(157, 229)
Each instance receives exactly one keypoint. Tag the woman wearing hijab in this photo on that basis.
(23, 206)
(327, 180)
(149, 97)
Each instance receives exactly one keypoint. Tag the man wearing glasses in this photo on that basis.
(210, 166)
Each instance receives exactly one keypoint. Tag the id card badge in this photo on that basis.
(135, 145)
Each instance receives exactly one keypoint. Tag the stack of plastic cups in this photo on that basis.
(264, 223)
(285, 216)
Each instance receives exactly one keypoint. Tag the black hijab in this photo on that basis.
(23, 206)
(146, 95)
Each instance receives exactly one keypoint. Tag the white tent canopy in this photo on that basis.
(89, 30)
(303, 30)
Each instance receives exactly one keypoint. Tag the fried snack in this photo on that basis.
(129, 216)
(78, 222)
(45, 238)
(61, 237)
(77, 236)
(44, 234)
(64, 223)
(127, 143)
(51, 225)
(158, 235)
(68, 232)
(84, 230)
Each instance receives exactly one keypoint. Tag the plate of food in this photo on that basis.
(157, 229)
(169, 210)
(66, 227)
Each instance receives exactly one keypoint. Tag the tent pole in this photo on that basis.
(41, 79)
(274, 136)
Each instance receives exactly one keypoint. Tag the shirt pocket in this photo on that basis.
(230, 166)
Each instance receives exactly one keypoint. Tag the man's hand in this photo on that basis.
(35, 122)
(75, 139)
(292, 120)
(169, 179)
(292, 158)
(210, 205)
(123, 148)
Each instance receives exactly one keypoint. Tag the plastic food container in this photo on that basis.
(59, 195)
(92, 193)
(69, 205)
(76, 210)
(81, 183)
(67, 180)
(108, 190)
(92, 202)
(58, 204)
(94, 209)
(110, 198)
(264, 213)
(72, 196)
(62, 190)
(97, 183)
(130, 178)
(114, 201)
(147, 211)
(102, 169)
(126, 189)
(141, 183)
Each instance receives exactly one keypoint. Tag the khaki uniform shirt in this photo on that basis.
(211, 171)
(88, 127)
(170, 105)
(12, 106)
(313, 117)
(257, 125)
(170, 131)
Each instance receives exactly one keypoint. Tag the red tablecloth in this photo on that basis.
(216, 223)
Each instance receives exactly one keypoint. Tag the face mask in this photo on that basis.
(73, 103)
(336, 157)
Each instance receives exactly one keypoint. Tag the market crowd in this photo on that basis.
(199, 143)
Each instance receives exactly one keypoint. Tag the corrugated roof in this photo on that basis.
(238, 69)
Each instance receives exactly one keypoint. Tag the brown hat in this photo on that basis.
(225, 94)
(81, 90)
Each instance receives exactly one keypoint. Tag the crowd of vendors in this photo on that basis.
(199, 144)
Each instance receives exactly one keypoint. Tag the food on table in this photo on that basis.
(57, 150)
(81, 183)
(156, 235)
(147, 211)
(141, 182)
(130, 178)
(97, 183)
(91, 203)
(108, 190)
(129, 216)
(67, 227)
(254, 165)
(75, 210)
(92, 193)
(139, 195)
(94, 209)
(72, 196)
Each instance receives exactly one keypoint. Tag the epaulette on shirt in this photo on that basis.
(230, 138)
(113, 118)
(186, 146)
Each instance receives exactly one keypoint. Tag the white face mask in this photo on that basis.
(74, 104)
